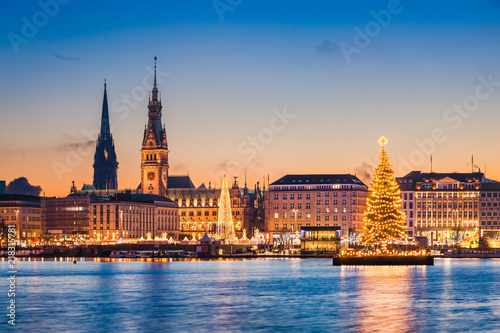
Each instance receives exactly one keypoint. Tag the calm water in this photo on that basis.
(254, 295)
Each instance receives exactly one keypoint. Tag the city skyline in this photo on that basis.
(229, 75)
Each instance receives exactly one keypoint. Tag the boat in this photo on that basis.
(118, 254)
(189, 254)
(473, 253)
(131, 254)
(145, 254)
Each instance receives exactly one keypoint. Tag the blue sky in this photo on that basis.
(226, 76)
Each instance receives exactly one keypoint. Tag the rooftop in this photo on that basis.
(19, 197)
(318, 179)
(180, 182)
(418, 176)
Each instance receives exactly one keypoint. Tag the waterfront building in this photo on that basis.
(133, 216)
(154, 152)
(66, 219)
(105, 163)
(198, 207)
(490, 210)
(2, 186)
(319, 239)
(23, 211)
(440, 205)
(331, 200)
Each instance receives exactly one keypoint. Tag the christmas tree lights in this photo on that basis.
(225, 226)
(384, 220)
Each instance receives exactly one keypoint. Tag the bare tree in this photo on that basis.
(457, 234)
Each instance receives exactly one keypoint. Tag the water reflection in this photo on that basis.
(255, 295)
(383, 300)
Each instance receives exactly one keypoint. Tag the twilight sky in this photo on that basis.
(270, 88)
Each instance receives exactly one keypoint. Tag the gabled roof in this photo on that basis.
(446, 180)
(318, 179)
(179, 182)
(87, 187)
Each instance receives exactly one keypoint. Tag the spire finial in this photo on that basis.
(383, 141)
(155, 71)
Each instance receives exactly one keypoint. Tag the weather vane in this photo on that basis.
(383, 141)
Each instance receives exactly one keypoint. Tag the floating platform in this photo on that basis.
(384, 261)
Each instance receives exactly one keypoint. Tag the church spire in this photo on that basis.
(154, 84)
(155, 87)
(105, 131)
(105, 162)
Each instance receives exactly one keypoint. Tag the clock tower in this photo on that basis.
(154, 152)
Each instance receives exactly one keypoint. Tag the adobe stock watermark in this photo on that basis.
(11, 273)
(120, 106)
(223, 6)
(253, 144)
(31, 27)
(365, 35)
(454, 118)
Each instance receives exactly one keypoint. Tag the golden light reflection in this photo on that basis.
(384, 299)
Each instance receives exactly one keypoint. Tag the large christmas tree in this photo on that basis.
(384, 221)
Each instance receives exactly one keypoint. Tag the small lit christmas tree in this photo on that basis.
(225, 226)
(384, 220)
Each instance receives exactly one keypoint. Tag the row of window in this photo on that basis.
(444, 224)
(445, 214)
(490, 195)
(308, 195)
(450, 205)
(308, 204)
(284, 226)
(207, 213)
(489, 214)
(489, 204)
(318, 217)
(7, 210)
(447, 195)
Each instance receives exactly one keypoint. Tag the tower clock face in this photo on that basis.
(151, 176)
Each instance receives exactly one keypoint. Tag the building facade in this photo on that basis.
(154, 152)
(23, 211)
(490, 210)
(105, 163)
(132, 216)
(440, 206)
(198, 207)
(296, 201)
(66, 219)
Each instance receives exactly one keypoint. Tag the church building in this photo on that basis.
(105, 163)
